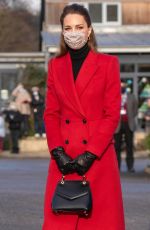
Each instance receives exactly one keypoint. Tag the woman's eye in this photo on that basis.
(80, 28)
(67, 29)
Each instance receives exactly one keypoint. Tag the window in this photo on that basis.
(8, 79)
(104, 13)
(95, 11)
(112, 13)
(144, 68)
(127, 68)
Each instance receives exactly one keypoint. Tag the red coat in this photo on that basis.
(83, 116)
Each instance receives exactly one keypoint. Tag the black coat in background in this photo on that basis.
(14, 119)
(37, 105)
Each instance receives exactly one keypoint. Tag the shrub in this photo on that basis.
(34, 75)
(146, 142)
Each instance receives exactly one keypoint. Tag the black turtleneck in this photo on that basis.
(77, 58)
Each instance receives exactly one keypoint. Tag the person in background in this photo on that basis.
(37, 106)
(13, 118)
(147, 128)
(2, 131)
(126, 127)
(147, 117)
(23, 100)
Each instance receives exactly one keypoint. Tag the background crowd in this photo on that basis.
(15, 120)
(26, 109)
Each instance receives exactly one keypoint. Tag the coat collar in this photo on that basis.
(74, 90)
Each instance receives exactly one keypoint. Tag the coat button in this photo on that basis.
(66, 141)
(67, 121)
(84, 121)
(84, 142)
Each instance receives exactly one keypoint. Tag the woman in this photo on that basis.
(81, 115)
(23, 100)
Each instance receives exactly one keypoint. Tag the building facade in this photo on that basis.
(104, 12)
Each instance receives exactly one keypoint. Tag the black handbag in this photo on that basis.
(72, 197)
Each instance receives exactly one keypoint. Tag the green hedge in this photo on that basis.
(34, 75)
(146, 142)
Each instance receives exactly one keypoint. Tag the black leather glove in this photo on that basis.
(83, 162)
(63, 161)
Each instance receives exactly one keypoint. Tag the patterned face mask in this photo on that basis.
(76, 39)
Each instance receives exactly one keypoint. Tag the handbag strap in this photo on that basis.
(84, 181)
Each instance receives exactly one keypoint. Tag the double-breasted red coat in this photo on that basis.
(79, 116)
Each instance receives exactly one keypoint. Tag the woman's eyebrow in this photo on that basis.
(75, 25)
(79, 25)
(67, 26)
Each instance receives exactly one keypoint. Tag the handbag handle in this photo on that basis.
(84, 181)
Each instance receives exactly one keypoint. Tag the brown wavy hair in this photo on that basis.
(81, 10)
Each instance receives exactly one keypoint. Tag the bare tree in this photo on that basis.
(19, 5)
(19, 31)
(15, 4)
(3, 3)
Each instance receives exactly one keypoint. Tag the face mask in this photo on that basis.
(75, 40)
(35, 93)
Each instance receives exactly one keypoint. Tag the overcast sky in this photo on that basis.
(33, 4)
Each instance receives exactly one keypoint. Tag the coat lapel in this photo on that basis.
(68, 84)
(73, 90)
(86, 73)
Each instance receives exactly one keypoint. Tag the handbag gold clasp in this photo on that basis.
(84, 180)
(62, 179)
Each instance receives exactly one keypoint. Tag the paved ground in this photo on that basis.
(21, 194)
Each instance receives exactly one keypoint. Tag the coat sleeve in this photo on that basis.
(52, 113)
(103, 136)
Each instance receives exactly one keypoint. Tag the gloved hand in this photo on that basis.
(83, 162)
(63, 161)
